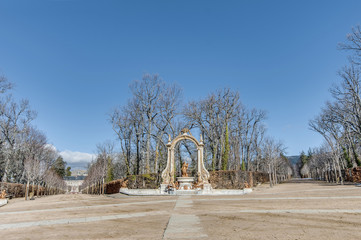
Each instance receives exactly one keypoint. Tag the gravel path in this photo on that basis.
(294, 210)
(184, 226)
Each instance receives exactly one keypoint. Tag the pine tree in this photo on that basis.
(303, 158)
(68, 172)
(309, 154)
(302, 161)
(110, 171)
(59, 166)
(243, 166)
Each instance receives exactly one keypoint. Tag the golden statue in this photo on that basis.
(184, 169)
(186, 131)
(3, 194)
(124, 184)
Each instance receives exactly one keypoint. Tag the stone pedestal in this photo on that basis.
(3, 202)
(163, 189)
(207, 188)
(185, 183)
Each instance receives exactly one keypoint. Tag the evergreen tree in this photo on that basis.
(303, 158)
(68, 172)
(309, 154)
(110, 170)
(346, 156)
(243, 166)
(59, 167)
(302, 161)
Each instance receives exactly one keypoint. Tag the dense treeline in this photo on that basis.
(25, 155)
(234, 135)
(339, 121)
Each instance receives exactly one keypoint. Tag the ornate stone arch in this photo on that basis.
(168, 172)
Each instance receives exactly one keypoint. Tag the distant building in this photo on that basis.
(79, 173)
(73, 183)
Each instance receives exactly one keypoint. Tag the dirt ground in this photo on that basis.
(293, 210)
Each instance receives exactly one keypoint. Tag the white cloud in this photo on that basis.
(52, 147)
(73, 157)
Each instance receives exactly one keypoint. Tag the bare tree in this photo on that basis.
(145, 122)
(325, 125)
(251, 126)
(54, 183)
(39, 157)
(213, 115)
(5, 85)
(14, 120)
(137, 120)
(148, 91)
(340, 120)
(233, 133)
(353, 45)
(122, 126)
(272, 155)
(25, 154)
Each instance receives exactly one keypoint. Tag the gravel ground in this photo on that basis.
(293, 210)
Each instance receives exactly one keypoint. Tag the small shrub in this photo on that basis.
(148, 177)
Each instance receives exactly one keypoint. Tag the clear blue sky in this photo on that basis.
(74, 59)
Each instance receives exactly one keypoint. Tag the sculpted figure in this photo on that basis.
(184, 169)
(3, 194)
(185, 131)
(124, 184)
(172, 185)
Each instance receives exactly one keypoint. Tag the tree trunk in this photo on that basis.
(270, 175)
(156, 157)
(214, 157)
(6, 169)
(103, 186)
(340, 173)
(33, 188)
(27, 190)
(147, 160)
(138, 157)
(37, 190)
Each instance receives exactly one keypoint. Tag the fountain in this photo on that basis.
(184, 185)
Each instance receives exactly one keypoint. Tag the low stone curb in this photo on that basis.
(157, 192)
(3, 202)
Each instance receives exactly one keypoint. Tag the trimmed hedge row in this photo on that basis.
(17, 190)
(236, 179)
(144, 181)
(352, 175)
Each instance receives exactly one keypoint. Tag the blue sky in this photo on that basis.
(74, 59)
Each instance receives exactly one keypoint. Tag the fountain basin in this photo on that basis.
(185, 183)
